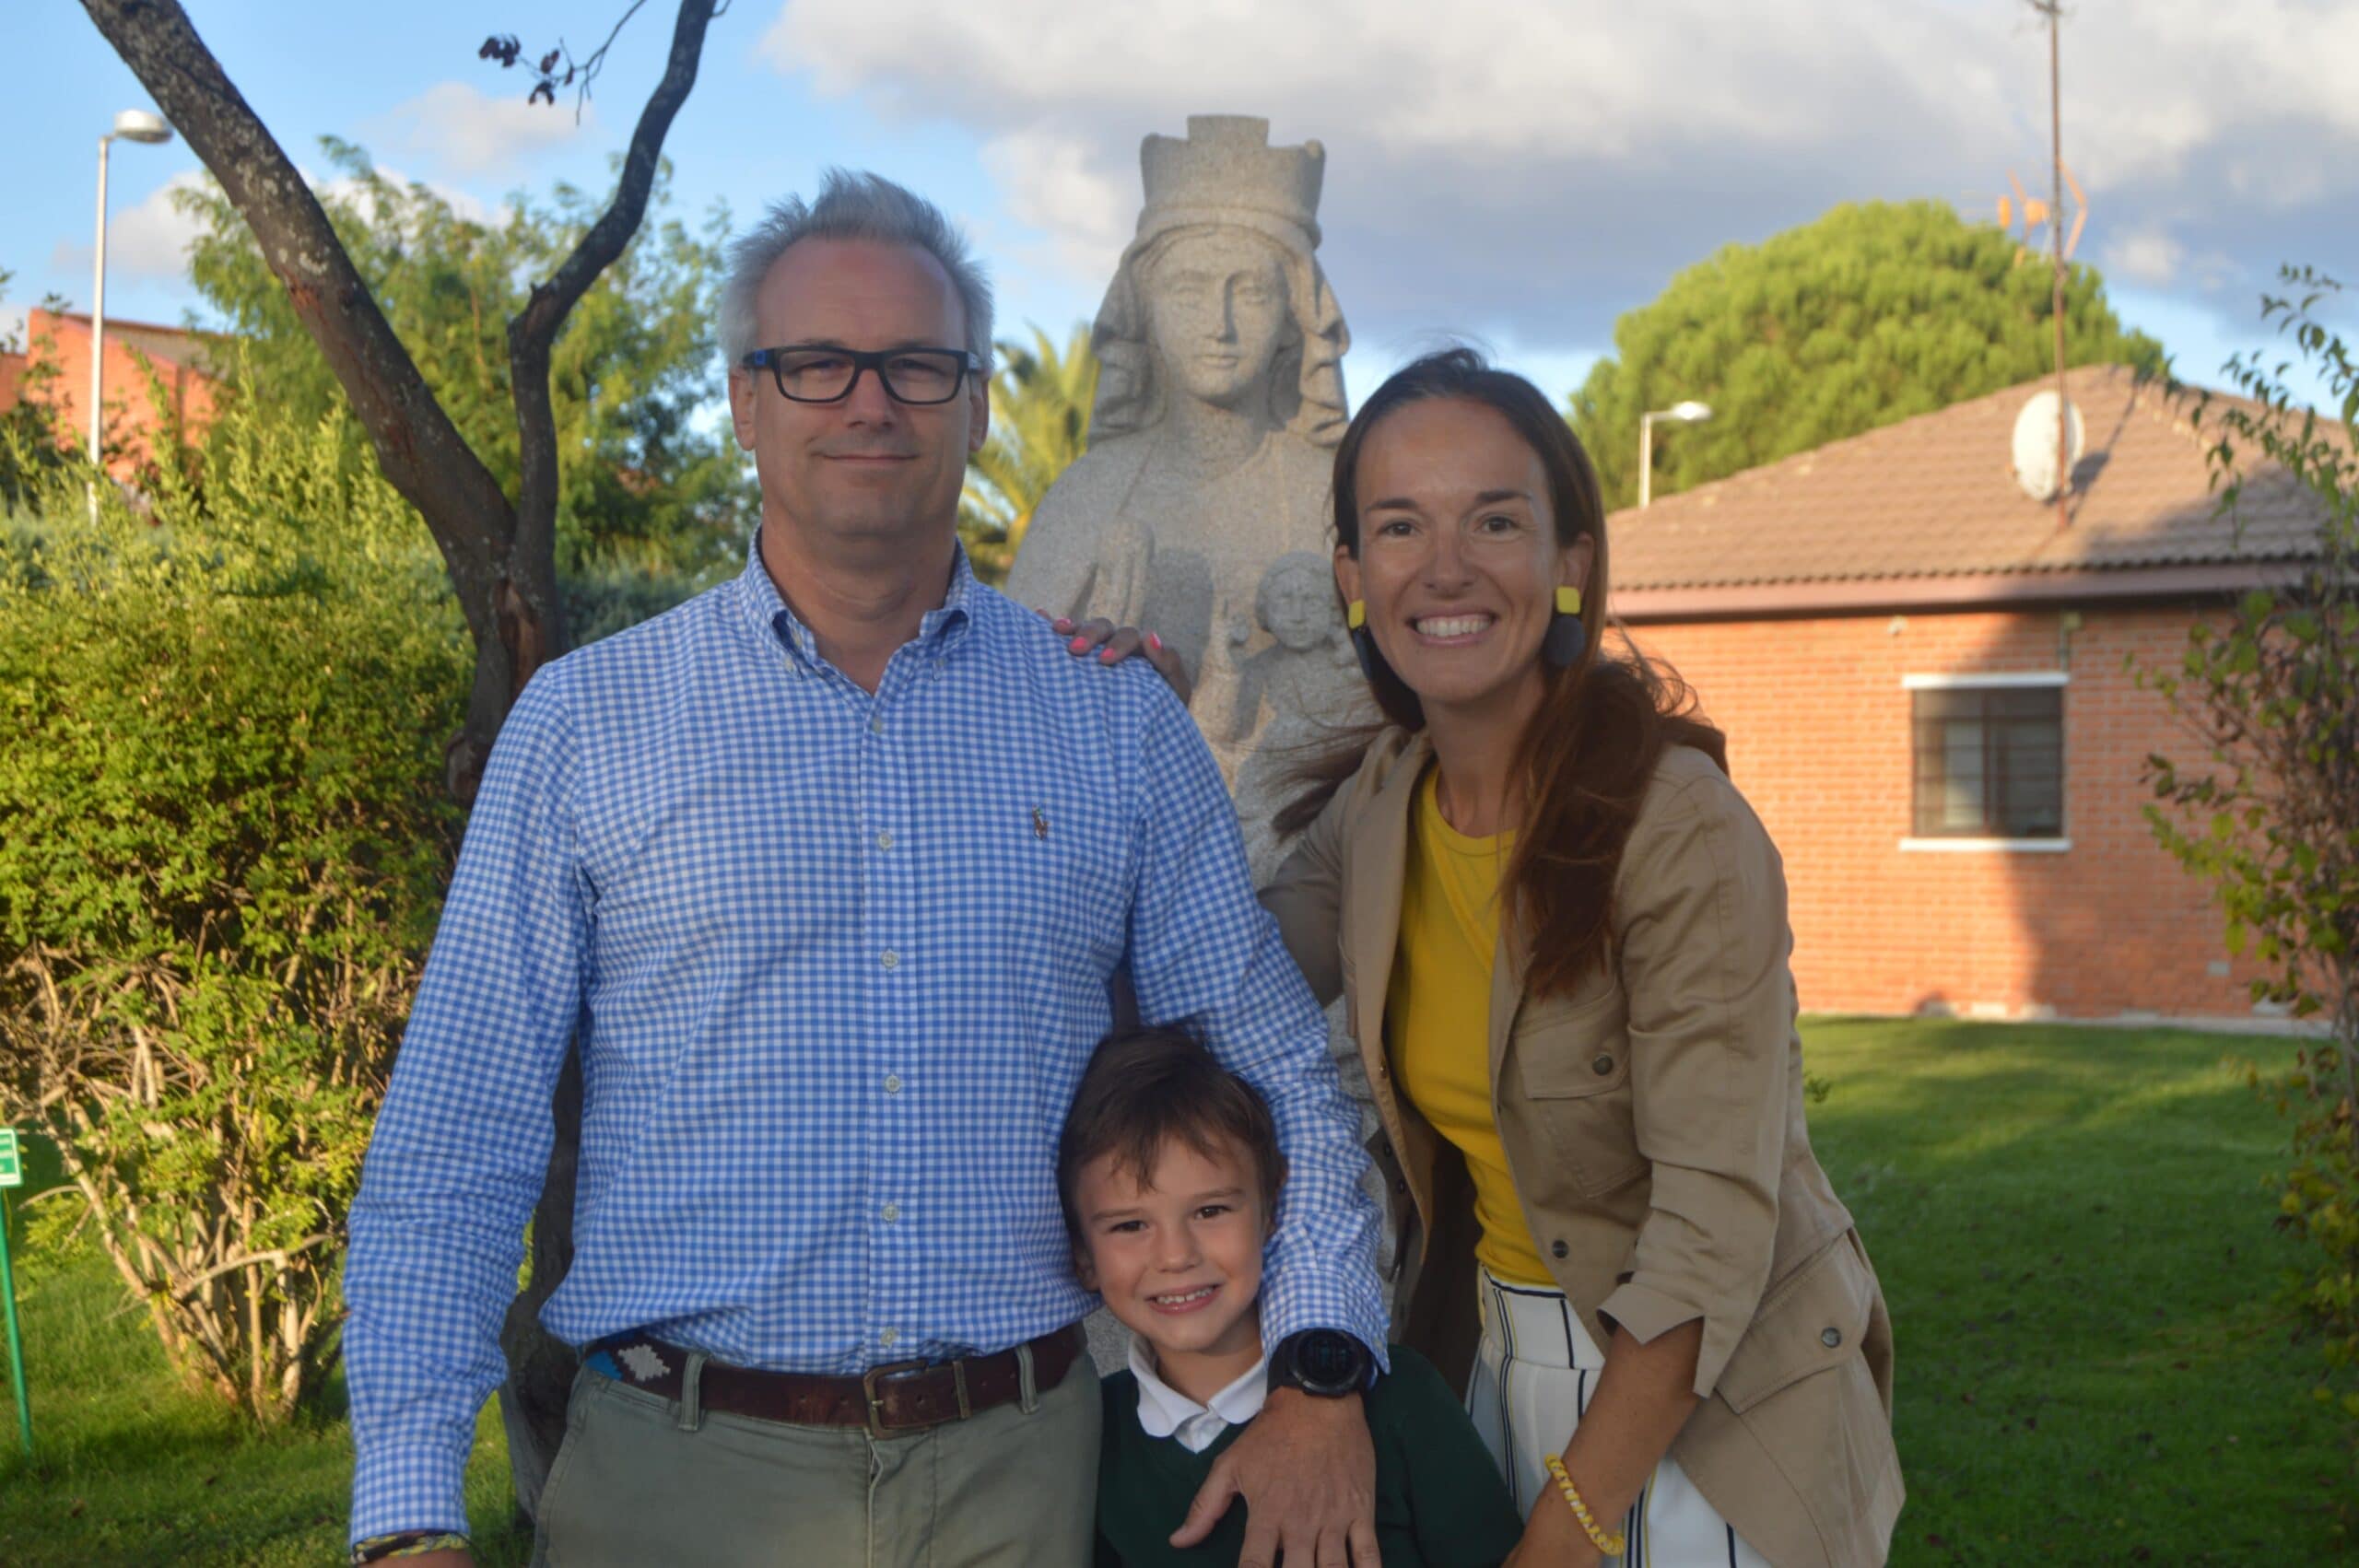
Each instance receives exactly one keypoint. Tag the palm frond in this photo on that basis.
(1041, 398)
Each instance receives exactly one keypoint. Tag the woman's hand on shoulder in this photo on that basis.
(1110, 644)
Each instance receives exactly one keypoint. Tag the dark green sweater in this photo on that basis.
(1439, 1501)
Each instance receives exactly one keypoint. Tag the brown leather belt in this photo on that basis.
(899, 1397)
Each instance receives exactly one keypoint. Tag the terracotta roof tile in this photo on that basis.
(1936, 496)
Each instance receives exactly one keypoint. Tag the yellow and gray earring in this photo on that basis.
(1566, 636)
(1362, 640)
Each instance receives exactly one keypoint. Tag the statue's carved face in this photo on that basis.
(1298, 608)
(1217, 312)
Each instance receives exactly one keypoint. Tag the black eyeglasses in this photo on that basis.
(820, 374)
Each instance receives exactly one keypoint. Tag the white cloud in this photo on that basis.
(2146, 255)
(1531, 170)
(1498, 78)
(147, 240)
(1053, 184)
(464, 131)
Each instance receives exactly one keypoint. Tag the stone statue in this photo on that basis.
(1200, 508)
(1220, 401)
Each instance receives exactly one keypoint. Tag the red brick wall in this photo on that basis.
(1818, 726)
(133, 421)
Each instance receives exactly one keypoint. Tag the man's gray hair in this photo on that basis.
(849, 206)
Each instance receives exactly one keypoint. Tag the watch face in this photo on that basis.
(1329, 1359)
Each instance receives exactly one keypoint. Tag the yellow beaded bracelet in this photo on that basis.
(1610, 1545)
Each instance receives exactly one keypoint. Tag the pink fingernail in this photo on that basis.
(1061, 622)
(1105, 656)
(1078, 645)
(1154, 642)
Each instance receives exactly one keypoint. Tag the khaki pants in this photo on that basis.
(643, 1482)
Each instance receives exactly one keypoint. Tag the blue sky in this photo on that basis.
(1518, 173)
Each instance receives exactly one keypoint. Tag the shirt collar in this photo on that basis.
(1163, 1410)
(943, 629)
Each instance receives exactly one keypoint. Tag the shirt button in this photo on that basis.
(884, 841)
(933, 671)
(1831, 1337)
(892, 1083)
(875, 723)
(888, 1336)
(1559, 1249)
(892, 960)
(1601, 1066)
(892, 1213)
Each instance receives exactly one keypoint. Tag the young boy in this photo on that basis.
(1170, 1171)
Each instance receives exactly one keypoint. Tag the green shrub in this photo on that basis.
(30, 450)
(222, 842)
(2268, 811)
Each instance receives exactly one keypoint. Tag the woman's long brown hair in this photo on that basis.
(1591, 750)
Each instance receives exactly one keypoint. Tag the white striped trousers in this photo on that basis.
(1532, 1381)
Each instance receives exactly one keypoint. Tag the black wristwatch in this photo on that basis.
(1324, 1362)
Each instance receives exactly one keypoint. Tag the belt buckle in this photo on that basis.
(873, 1398)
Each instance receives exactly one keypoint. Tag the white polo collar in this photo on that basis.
(1165, 1412)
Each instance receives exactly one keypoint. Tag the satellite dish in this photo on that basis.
(2036, 469)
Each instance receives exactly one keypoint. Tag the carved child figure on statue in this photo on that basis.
(1295, 675)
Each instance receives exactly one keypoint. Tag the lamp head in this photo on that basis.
(142, 126)
(1690, 412)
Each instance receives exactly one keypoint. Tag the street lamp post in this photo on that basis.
(1689, 413)
(132, 125)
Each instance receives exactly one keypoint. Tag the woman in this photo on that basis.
(1560, 935)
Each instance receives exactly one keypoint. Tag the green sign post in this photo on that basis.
(12, 1174)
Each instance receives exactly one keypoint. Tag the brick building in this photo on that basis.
(1927, 690)
(61, 339)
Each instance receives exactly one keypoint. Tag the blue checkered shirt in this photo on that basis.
(835, 962)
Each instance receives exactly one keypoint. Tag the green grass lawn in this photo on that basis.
(130, 1468)
(2073, 1233)
(2070, 1224)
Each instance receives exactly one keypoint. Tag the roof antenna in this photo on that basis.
(2054, 10)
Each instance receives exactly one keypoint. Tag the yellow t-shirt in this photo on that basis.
(1438, 1017)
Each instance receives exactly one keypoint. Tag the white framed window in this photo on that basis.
(1989, 762)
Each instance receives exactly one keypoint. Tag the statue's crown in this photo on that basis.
(1227, 161)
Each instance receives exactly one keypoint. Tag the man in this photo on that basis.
(828, 870)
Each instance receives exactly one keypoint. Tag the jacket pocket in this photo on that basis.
(1572, 1069)
(1814, 1319)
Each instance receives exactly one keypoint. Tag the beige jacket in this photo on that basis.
(1653, 1124)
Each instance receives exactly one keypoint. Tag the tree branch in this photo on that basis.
(277, 1257)
(531, 615)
